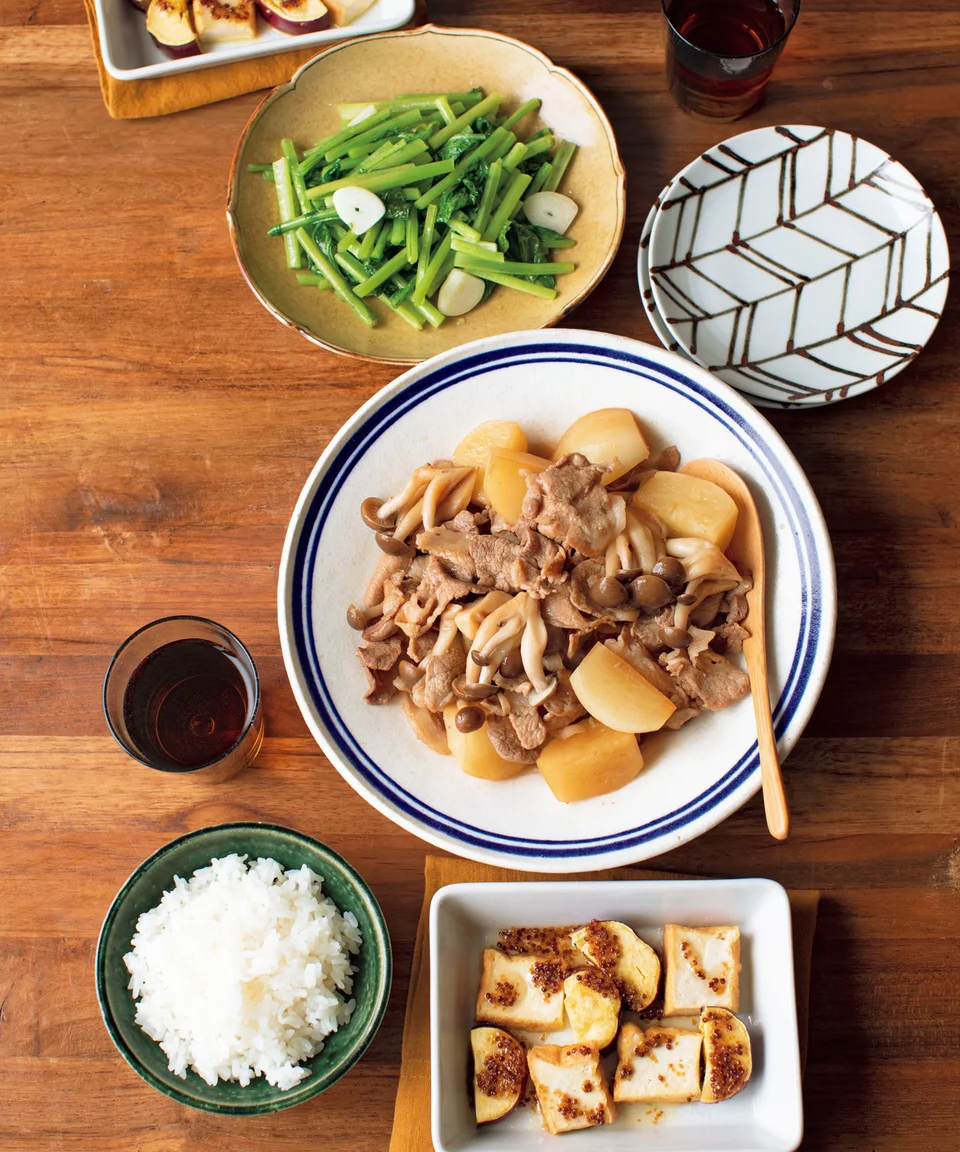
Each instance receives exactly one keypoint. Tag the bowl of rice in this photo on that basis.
(243, 969)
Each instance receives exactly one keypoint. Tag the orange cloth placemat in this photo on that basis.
(131, 99)
(411, 1117)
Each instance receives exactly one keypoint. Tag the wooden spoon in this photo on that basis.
(746, 551)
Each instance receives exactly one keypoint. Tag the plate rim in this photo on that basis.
(858, 387)
(733, 796)
(233, 185)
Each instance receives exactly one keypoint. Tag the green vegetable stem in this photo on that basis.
(452, 174)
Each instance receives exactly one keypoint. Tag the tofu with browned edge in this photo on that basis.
(701, 969)
(571, 1088)
(524, 992)
(657, 1065)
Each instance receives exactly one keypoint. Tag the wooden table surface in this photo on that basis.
(157, 425)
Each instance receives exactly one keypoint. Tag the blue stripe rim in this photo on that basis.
(416, 393)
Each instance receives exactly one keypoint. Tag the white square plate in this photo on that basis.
(767, 1116)
(129, 52)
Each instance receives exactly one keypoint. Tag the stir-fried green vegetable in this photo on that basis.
(411, 190)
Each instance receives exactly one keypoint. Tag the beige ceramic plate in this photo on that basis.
(424, 60)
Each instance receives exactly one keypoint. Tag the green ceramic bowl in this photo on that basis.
(182, 857)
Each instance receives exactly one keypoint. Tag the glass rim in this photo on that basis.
(131, 751)
(788, 28)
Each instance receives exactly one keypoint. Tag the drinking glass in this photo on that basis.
(720, 53)
(182, 695)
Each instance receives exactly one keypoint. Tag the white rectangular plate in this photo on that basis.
(129, 52)
(767, 1116)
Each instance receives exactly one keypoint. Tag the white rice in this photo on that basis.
(238, 972)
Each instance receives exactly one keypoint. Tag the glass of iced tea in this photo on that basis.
(720, 53)
(182, 695)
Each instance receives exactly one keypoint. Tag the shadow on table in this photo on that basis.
(836, 1081)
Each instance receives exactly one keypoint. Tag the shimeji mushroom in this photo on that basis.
(707, 570)
(359, 618)
(638, 543)
(496, 638)
(470, 618)
(447, 632)
(514, 624)
(433, 494)
(533, 644)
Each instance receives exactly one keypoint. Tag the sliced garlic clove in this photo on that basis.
(359, 208)
(550, 210)
(459, 293)
(365, 111)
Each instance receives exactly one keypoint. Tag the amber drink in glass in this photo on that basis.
(182, 695)
(720, 53)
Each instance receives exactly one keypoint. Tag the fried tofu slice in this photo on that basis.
(592, 1001)
(621, 954)
(702, 969)
(571, 1087)
(524, 992)
(728, 1061)
(548, 942)
(657, 1066)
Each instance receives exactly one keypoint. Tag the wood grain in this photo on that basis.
(157, 427)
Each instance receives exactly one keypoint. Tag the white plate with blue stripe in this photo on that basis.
(693, 778)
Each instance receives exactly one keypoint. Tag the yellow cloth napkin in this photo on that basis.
(411, 1117)
(130, 99)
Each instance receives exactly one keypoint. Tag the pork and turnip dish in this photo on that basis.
(621, 1006)
(549, 610)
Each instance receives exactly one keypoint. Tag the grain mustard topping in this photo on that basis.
(602, 945)
(569, 1108)
(547, 975)
(594, 979)
(727, 1071)
(504, 1071)
(504, 993)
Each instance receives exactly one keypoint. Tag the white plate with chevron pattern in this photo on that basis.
(656, 321)
(800, 264)
(654, 318)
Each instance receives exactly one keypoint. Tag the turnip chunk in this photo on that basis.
(359, 208)
(550, 210)
(295, 17)
(459, 293)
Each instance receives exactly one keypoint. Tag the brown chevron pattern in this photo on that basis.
(799, 264)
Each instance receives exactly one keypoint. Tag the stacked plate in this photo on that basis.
(799, 264)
